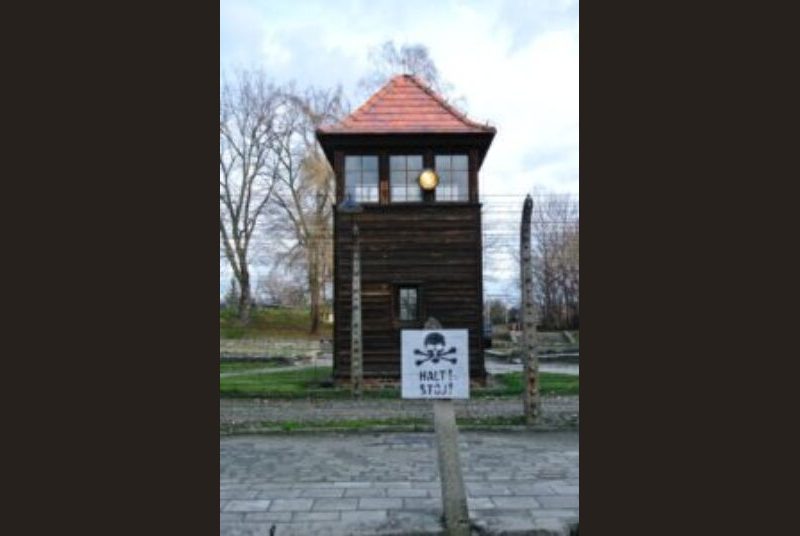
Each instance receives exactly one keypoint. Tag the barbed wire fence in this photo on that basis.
(501, 271)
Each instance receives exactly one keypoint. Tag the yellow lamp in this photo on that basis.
(428, 180)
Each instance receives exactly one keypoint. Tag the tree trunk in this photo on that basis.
(314, 289)
(244, 296)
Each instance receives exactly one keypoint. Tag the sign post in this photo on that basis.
(435, 366)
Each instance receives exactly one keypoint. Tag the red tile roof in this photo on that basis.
(405, 105)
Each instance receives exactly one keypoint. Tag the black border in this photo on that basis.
(681, 197)
(116, 397)
(683, 219)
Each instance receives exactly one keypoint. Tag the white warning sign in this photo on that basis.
(435, 363)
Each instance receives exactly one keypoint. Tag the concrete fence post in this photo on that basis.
(530, 393)
(356, 355)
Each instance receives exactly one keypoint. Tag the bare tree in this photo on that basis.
(232, 296)
(247, 177)
(305, 191)
(555, 260)
(387, 61)
(279, 287)
(498, 311)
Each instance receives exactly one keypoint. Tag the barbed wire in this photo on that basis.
(500, 223)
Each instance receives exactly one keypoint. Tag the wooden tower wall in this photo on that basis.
(436, 247)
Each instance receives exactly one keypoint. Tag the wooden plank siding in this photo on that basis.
(435, 247)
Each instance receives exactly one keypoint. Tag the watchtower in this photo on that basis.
(411, 161)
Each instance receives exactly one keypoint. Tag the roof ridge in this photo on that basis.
(447, 106)
(406, 104)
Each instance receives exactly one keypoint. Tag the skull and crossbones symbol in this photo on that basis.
(434, 350)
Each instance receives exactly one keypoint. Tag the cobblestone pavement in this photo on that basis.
(557, 411)
(387, 483)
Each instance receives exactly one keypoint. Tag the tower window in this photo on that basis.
(403, 173)
(361, 178)
(409, 303)
(453, 177)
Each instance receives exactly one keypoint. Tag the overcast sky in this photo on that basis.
(515, 62)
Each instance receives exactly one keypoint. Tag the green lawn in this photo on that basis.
(315, 383)
(408, 423)
(300, 383)
(551, 383)
(273, 323)
(242, 366)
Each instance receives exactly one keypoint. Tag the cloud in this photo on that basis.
(527, 20)
(240, 28)
(514, 61)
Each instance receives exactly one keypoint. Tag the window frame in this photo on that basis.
(450, 169)
(361, 156)
(384, 155)
(398, 309)
(405, 155)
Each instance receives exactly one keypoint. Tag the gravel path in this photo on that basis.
(558, 411)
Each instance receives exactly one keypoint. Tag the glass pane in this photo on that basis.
(370, 163)
(352, 163)
(414, 162)
(460, 161)
(408, 303)
(397, 162)
(414, 192)
(442, 161)
(369, 177)
(404, 186)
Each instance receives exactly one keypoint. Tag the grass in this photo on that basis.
(354, 424)
(242, 366)
(316, 383)
(551, 383)
(277, 323)
(284, 384)
(408, 423)
(576, 335)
